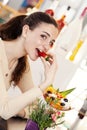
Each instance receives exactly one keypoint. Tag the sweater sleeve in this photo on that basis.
(10, 107)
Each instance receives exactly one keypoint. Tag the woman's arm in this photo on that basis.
(50, 70)
(10, 107)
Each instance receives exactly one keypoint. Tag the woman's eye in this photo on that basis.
(44, 37)
(51, 44)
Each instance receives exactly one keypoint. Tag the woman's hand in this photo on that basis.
(21, 114)
(50, 68)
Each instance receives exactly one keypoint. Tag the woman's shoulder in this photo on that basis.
(1, 47)
(1, 42)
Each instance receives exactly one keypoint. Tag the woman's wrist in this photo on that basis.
(21, 114)
(43, 86)
(42, 90)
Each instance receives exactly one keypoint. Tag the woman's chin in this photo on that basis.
(34, 58)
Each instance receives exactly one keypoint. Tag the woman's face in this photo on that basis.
(41, 38)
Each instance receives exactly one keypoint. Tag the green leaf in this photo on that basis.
(66, 92)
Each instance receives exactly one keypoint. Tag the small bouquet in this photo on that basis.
(43, 116)
(50, 113)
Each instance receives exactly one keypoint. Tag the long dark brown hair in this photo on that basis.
(13, 29)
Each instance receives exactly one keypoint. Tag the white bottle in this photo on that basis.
(67, 11)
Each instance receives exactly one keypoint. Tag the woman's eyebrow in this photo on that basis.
(47, 33)
(49, 36)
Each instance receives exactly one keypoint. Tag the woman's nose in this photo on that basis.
(46, 47)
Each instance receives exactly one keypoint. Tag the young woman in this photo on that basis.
(24, 36)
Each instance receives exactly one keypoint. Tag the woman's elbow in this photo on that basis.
(5, 116)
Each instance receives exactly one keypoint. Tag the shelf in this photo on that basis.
(6, 12)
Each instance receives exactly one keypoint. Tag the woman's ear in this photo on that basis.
(25, 30)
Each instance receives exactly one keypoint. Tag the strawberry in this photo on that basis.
(43, 54)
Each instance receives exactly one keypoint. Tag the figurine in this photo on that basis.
(57, 99)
